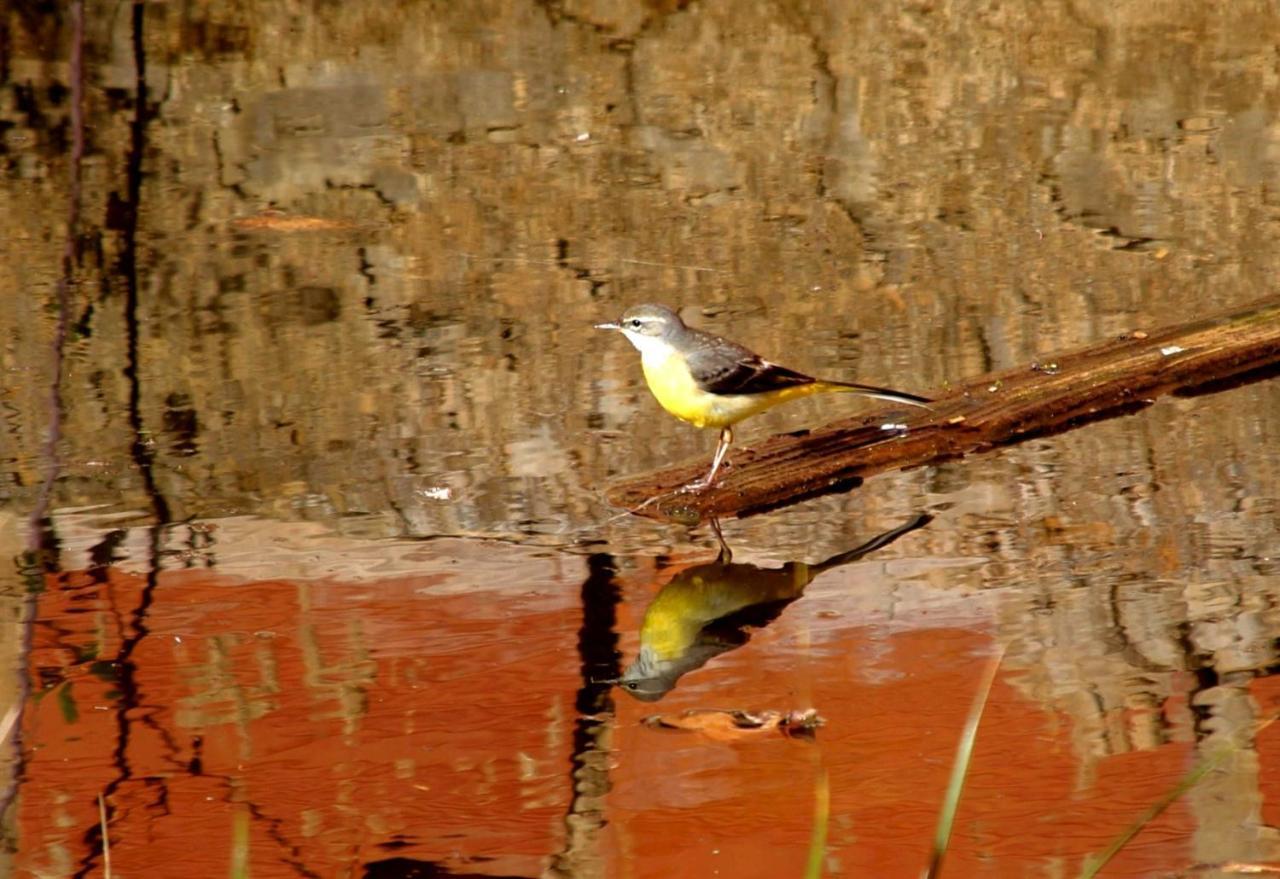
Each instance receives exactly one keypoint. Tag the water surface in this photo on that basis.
(323, 581)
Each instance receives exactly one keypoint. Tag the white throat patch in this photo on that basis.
(652, 349)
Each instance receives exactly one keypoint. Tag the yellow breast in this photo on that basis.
(679, 394)
(669, 380)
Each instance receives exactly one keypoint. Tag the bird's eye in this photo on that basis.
(635, 323)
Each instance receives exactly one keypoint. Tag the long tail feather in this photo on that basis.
(879, 393)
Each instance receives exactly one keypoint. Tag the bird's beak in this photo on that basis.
(611, 325)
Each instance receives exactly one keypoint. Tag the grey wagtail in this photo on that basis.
(712, 382)
(707, 609)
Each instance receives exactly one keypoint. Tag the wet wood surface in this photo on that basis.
(1119, 376)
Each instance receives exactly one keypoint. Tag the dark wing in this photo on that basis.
(723, 367)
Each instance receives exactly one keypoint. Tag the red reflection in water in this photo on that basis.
(356, 722)
(353, 723)
(689, 807)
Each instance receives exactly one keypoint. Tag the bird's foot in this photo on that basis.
(705, 482)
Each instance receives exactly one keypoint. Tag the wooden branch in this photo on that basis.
(1116, 377)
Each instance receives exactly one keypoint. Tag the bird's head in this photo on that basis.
(648, 678)
(646, 325)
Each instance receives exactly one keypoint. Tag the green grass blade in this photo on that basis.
(240, 844)
(106, 839)
(821, 817)
(960, 769)
(1093, 865)
(1190, 780)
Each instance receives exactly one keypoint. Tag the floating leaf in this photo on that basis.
(732, 724)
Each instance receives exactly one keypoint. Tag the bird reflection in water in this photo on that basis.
(708, 609)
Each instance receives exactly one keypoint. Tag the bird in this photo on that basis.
(711, 608)
(710, 381)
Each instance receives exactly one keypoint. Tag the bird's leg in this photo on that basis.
(726, 554)
(726, 437)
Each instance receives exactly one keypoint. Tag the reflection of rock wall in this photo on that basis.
(1120, 582)
(254, 683)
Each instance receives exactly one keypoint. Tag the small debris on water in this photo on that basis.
(955, 419)
(994, 386)
(735, 724)
(890, 425)
(1170, 350)
(1050, 368)
(1138, 334)
(437, 493)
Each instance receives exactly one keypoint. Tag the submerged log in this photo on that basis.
(1117, 377)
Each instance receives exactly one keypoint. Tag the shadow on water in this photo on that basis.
(589, 759)
(589, 774)
(707, 610)
(124, 218)
(408, 868)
